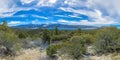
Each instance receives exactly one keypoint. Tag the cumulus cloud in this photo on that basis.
(98, 11)
(14, 23)
(7, 7)
(37, 16)
(109, 6)
(72, 16)
(86, 22)
(36, 22)
(26, 1)
(46, 2)
(76, 3)
(94, 15)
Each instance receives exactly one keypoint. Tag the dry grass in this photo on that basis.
(29, 54)
(104, 57)
(36, 54)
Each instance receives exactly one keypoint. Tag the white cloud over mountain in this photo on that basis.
(13, 23)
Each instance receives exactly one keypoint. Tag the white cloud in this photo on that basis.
(103, 11)
(36, 22)
(14, 23)
(75, 16)
(107, 7)
(72, 16)
(86, 22)
(52, 1)
(76, 3)
(40, 16)
(26, 1)
(96, 16)
(46, 2)
(63, 21)
(7, 8)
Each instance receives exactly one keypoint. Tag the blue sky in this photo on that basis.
(73, 12)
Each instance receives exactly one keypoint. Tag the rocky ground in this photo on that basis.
(36, 54)
(40, 54)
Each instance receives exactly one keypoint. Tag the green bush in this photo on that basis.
(51, 51)
(85, 38)
(107, 40)
(22, 35)
(74, 50)
(58, 37)
(76, 46)
(9, 41)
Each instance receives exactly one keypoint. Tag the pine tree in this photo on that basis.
(4, 23)
(78, 30)
(56, 31)
(46, 36)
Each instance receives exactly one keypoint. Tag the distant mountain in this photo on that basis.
(51, 26)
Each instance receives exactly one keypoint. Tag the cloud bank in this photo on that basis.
(76, 12)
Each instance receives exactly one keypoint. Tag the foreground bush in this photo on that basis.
(84, 39)
(51, 51)
(10, 42)
(75, 48)
(107, 40)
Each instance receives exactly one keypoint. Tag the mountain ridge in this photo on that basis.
(51, 26)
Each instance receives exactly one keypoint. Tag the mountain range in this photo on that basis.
(52, 26)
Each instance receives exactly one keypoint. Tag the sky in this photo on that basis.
(71, 12)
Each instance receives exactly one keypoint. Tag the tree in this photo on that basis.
(78, 30)
(56, 31)
(46, 36)
(4, 23)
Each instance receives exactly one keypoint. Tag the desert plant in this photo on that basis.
(51, 50)
(107, 40)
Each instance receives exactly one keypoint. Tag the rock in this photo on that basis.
(3, 50)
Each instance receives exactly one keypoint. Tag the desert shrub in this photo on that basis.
(85, 38)
(107, 40)
(73, 50)
(75, 47)
(10, 42)
(51, 50)
(59, 37)
(22, 35)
